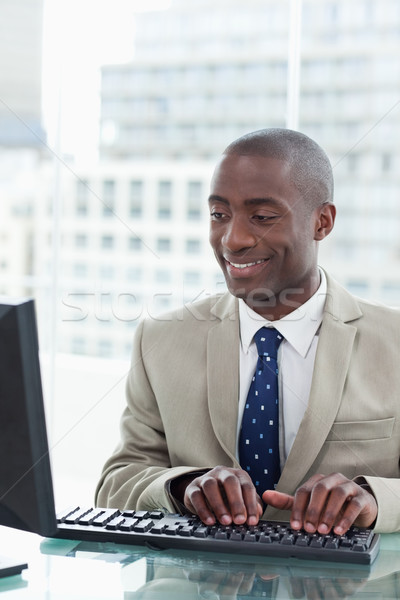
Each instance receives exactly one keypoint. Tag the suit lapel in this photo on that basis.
(331, 365)
(223, 374)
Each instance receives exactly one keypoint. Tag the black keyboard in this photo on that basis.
(158, 530)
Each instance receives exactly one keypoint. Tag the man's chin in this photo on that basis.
(258, 298)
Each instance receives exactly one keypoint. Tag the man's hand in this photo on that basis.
(225, 494)
(325, 502)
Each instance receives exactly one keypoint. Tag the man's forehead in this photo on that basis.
(253, 171)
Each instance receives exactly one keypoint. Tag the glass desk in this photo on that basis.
(68, 570)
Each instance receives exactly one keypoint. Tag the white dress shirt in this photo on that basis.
(296, 356)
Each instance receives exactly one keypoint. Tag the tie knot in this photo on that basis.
(267, 340)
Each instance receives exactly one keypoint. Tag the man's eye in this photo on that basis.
(265, 218)
(216, 215)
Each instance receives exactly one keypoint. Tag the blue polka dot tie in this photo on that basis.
(259, 435)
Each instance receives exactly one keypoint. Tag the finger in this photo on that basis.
(309, 501)
(300, 502)
(251, 501)
(237, 490)
(347, 504)
(216, 500)
(195, 502)
(337, 505)
(278, 500)
(352, 510)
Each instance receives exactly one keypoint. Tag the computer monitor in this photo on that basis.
(26, 491)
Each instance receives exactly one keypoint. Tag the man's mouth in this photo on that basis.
(245, 265)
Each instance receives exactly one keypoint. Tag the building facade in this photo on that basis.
(21, 26)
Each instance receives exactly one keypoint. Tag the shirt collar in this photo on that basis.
(298, 327)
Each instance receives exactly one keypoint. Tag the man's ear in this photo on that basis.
(325, 220)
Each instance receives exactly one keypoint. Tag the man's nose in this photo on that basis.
(237, 235)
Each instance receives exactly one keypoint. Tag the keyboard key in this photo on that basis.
(237, 536)
(158, 528)
(288, 539)
(317, 542)
(66, 513)
(156, 514)
(143, 525)
(105, 517)
(115, 523)
(141, 514)
(76, 516)
(89, 516)
(302, 540)
(201, 532)
(128, 524)
(332, 543)
(186, 531)
(357, 547)
(172, 529)
(221, 535)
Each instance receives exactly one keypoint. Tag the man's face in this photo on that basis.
(262, 234)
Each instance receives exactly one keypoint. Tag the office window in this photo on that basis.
(80, 270)
(391, 292)
(78, 345)
(107, 272)
(360, 288)
(135, 199)
(164, 199)
(105, 348)
(161, 303)
(108, 198)
(107, 242)
(194, 200)
(164, 245)
(193, 246)
(82, 197)
(386, 162)
(134, 273)
(162, 276)
(192, 277)
(135, 243)
(81, 240)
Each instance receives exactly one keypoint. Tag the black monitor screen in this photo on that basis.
(26, 491)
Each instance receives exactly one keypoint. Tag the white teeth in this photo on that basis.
(241, 266)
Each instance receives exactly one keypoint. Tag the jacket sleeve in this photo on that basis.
(387, 494)
(138, 474)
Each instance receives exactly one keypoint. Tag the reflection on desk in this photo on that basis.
(65, 569)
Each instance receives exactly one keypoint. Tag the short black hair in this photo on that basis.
(311, 170)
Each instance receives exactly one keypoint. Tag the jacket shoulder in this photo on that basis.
(200, 314)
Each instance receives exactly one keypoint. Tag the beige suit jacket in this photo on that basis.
(182, 404)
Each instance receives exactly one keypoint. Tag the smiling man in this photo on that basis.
(266, 244)
(280, 395)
